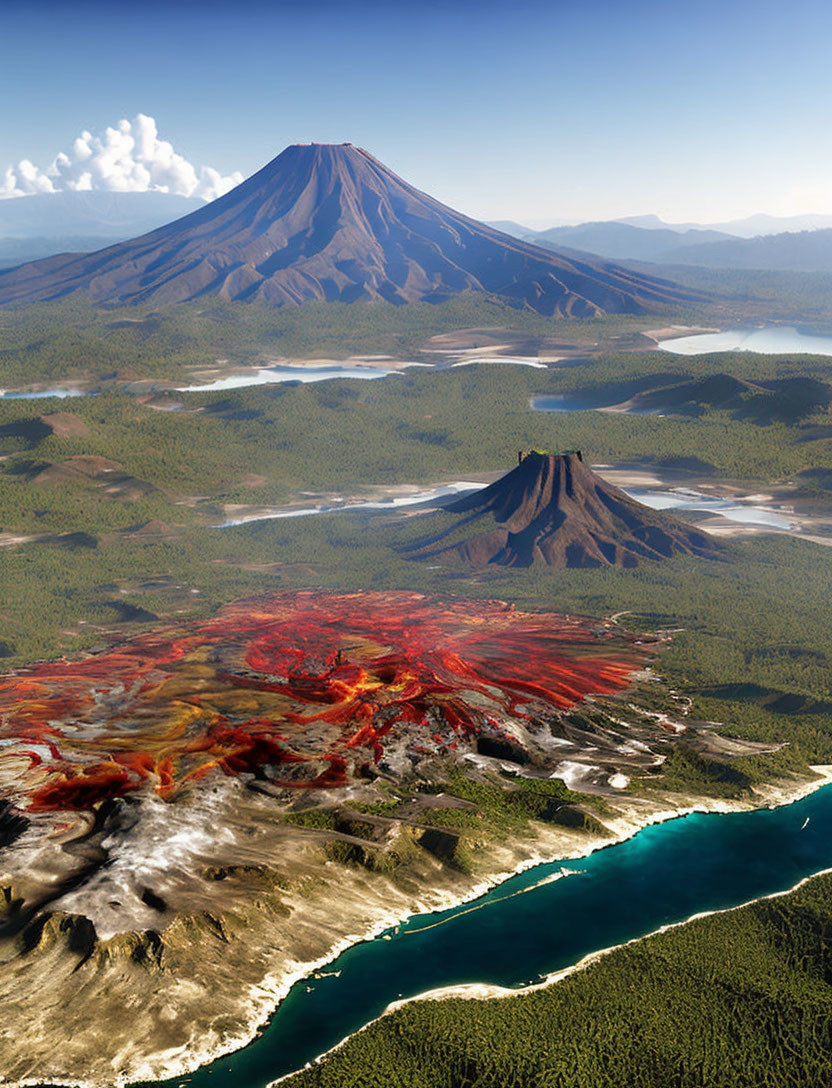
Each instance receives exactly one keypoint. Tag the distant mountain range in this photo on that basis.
(806, 251)
(330, 222)
(749, 227)
(647, 238)
(621, 241)
(48, 223)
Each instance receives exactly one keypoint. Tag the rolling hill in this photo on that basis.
(790, 251)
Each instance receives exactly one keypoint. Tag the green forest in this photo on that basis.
(730, 1000)
(111, 520)
(110, 507)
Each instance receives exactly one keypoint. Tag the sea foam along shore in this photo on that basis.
(263, 999)
(767, 796)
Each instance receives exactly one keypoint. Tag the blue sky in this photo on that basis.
(531, 111)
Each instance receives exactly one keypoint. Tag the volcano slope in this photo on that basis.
(553, 509)
(193, 817)
(330, 222)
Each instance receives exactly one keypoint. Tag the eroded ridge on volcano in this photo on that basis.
(553, 509)
(330, 222)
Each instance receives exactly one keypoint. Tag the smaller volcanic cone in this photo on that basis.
(553, 509)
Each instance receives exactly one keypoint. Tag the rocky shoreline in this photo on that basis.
(366, 908)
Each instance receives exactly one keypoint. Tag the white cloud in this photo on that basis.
(129, 158)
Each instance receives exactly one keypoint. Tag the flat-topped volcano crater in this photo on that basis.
(553, 509)
(330, 222)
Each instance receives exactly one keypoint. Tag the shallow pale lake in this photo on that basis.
(43, 394)
(685, 498)
(276, 375)
(678, 498)
(772, 341)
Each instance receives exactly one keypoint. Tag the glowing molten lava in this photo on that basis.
(304, 689)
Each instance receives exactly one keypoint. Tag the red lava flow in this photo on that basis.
(308, 686)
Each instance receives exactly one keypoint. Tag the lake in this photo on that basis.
(276, 375)
(398, 498)
(772, 341)
(744, 510)
(43, 394)
(685, 498)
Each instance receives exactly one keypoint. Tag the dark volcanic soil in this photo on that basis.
(554, 509)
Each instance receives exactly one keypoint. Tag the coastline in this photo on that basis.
(262, 999)
(478, 991)
(771, 796)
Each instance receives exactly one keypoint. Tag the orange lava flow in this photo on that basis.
(305, 689)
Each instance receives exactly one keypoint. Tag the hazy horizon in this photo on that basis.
(126, 162)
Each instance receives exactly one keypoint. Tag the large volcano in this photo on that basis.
(330, 222)
(553, 509)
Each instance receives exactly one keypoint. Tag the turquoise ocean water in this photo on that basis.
(664, 874)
